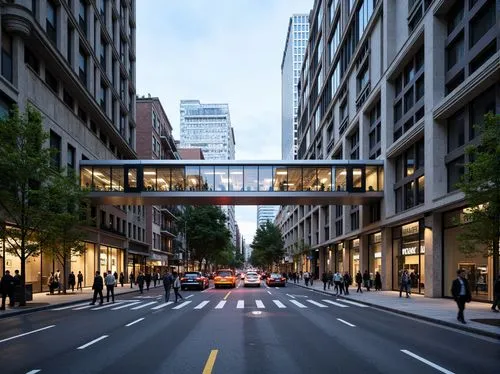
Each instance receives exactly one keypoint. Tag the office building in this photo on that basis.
(266, 213)
(402, 81)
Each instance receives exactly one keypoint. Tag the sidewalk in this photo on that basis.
(438, 310)
(44, 300)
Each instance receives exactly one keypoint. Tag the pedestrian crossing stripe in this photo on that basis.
(126, 305)
(279, 304)
(221, 304)
(336, 304)
(354, 303)
(144, 305)
(163, 305)
(241, 304)
(316, 303)
(300, 305)
(182, 305)
(201, 305)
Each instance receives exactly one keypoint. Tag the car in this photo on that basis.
(194, 279)
(224, 277)
(251, 279)
(275, 279)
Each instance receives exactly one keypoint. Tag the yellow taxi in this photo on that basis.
(224, 277)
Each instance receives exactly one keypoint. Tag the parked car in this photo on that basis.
(194, 279)
(275, 279)
(224, 277)
(251, 279)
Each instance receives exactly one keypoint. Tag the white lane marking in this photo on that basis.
(317, 304)
(259, 304)
(279, 304)
(221, 304)
(293, 297)
(133, 323)
(353, 303)
(33, 371)
(202, 304)
(240, 304)
(269, 292)
(345, 322)
(187, 297)
(182, 305)
(71, 306)
(144, 305)
(26, 333)
(92, 342)
(163, 305)
(431, 364)
(300, 305)
(106, 306)
(126, 305)
(84, 307)
(336, 304)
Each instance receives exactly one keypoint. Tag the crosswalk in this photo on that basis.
(158, 304)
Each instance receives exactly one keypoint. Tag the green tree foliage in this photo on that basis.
(206, 232)
(267, 246)
(481, 186)
(28, 186)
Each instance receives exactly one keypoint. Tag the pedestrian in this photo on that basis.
(51, 282)
(115, 274)
(158, 277)
(80, 281)
(405, 283)
(7, 289)
(122, 278)
(336, 282)
(496, 295)
(167, 285)
(97, 286)
(378, 282)
(155, 279)
(347, 282)
(301, 274)
(177, 285)
(110, 282)
(366, 280)
(341, 284)
(311, 278)
(147, 278)
(131, 279)
(17, 278)
(461, 293)
(306, 278)
(330, 279)
(71, 281)
(140, 281)
(57, 278)
(324, 279)
(359, 281)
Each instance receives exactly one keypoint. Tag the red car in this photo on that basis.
(194, 279)
(275, 279)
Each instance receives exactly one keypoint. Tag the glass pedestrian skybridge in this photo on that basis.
(233, 182)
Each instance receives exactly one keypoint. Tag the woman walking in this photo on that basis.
(177, 285)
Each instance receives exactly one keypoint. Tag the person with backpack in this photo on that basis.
(177, 285)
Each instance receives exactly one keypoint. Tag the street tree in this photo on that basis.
(267, 246)
(27, 186)
(481, 186)
(206, 232)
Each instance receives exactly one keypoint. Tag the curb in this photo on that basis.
(50, 306)
(416, 316)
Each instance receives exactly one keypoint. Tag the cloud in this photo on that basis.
(219, 51)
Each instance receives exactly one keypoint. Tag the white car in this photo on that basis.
(251, 279)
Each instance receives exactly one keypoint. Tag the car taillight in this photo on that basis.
(283, 279)
(184, 279)
(198, 279)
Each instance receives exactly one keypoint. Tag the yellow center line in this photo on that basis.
(209, 365)
(225, 297)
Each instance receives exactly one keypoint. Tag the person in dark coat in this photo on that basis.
(155, 279)
(359, 281)
(72, 281)
(122, 278)
(7, 286)
(140, 281)
(97, 287)
(80, 281)
(460, 290)
(496, 295)
(347, 282)
(147, 278)
(366, 280)
(167, 284)
(131, 279)
(378, 282)
(324, 279)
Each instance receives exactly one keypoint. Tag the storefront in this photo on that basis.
(339, 257)
(86, 264)
(408, 250)
(375, 254)
(476, 265)
(354, 256)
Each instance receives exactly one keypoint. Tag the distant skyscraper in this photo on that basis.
(266, 213)
(291, 65)
(208, 126)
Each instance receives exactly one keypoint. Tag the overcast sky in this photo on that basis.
(219, 51)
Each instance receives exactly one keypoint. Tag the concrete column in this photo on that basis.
(346, 260)
(363, 253)
(433, 241)
(386, 258)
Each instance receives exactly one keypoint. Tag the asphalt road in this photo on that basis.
(243, 330)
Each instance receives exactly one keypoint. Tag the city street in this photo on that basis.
(242, 330)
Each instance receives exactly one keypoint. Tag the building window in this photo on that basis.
(354, 144)
(102, 9)
(55, 145)
(51, 81)
(409, 187)
(102, 96)
(82, 16)
(70, 44)
(375, 131)
(363, 16)
(102, 54)
(70, 158)
(51, 22)
(7, 71)
(82, 65)
(31, 60)
(68, 99)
